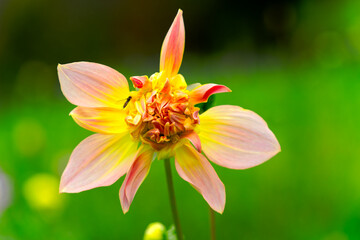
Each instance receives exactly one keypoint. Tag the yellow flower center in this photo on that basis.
(159, 113)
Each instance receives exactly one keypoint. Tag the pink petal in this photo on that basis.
(101, 120)
(203, 92)
(139, 81)
(196, 169)
(236, 138)
(135, 176)
(173, 47)
(97, 161)
(193, 137)
(92, 85)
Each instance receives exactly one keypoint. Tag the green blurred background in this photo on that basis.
(294, 62)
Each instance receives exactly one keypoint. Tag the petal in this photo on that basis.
(196, 169)
(172, 49)
(193, 86)
(194, 139)
(178, 82)
(236, 138)
(101, 120)
(203, 92)
(97, 161)
(139, 81)
(135, 176)
(92, 85)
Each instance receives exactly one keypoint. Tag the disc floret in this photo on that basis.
(160, 113)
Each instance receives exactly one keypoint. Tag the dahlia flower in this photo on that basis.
(159, 120)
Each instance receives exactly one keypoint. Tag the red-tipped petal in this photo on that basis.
(203, 92)
(236, 138)
(139, 81)
(173, 47)
(194, 168)
(89, 84)
(135, 176)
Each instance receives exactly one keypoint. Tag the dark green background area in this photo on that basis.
(295, 63)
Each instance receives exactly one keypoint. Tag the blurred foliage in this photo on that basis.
(295, 63)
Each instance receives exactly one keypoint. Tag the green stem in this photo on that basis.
(172, 199)
(212, 224)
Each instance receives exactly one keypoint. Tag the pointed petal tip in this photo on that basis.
(62, 189)
(225, 88)
(60, 67)
(72, 112)
(203, 92)
(219, 210)
(172, 49)
(125, 209)
(277, 149)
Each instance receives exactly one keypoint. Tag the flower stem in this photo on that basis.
(212, 224)
(171, 191)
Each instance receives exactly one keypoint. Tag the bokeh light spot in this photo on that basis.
(42, 192)
(29, 137)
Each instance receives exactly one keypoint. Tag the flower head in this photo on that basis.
(159, 119)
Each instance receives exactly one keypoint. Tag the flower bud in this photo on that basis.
(155, 231)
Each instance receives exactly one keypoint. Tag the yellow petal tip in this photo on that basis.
(72, 112)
